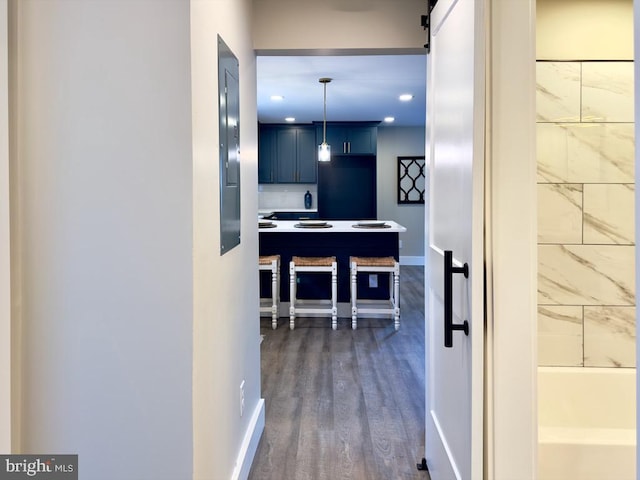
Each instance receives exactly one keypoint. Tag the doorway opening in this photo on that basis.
(327, 376)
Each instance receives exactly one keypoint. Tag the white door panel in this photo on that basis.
(455, 133)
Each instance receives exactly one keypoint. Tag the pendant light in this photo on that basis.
(324, 149)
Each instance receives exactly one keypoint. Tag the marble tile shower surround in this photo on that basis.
(585, 152)
(586, 254)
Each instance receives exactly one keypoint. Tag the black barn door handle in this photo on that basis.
(449, 326)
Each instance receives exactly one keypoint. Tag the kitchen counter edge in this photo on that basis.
(337, 226)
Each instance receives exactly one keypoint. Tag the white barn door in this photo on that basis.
(455, 278)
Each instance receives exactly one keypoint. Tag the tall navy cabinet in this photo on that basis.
(267, 154)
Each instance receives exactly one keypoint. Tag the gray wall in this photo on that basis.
(394, 142)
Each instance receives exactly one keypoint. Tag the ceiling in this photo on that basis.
(364, 88)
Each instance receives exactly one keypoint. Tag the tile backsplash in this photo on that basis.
(586, 253)
(286, 196)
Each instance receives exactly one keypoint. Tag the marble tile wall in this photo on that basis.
(586, 274)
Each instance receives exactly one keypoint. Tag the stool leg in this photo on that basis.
(334, 295)
(396, 296)
(354, 295)
(292, 295)
(274, 295)
(392, 295)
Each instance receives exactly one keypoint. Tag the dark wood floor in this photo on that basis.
(345, 404)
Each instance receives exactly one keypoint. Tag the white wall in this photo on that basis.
(584, 30)
(136, 331)
(510, 227)
(103, 200)
(394, 142)
(226, 318)
(338, 25)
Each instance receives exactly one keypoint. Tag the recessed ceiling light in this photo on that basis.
(405, 97)
(388, 119)
(289, 119)
(277, 98)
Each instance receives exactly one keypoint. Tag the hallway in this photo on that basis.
(345, 404)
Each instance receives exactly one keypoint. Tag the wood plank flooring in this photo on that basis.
(345, 404)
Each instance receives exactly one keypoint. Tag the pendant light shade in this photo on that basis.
(324, 152)
(324, 149)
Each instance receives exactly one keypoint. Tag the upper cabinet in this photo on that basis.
(357, 138)
(296, 155)
(267, 154)
(287, 154)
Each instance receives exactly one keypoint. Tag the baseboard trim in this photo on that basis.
(411, 260)
(250, 443)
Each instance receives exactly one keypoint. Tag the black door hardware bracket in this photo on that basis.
(425, 23)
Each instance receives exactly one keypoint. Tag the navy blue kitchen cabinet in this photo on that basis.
(350, 138)
(287, 154)
(296, 155)
(347, 188)
(267, 154)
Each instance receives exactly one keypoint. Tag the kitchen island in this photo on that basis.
(339, 238)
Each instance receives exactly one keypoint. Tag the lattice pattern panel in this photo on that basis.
(411, 179)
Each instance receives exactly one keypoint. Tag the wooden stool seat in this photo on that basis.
(313, 261)
(313, 265)
(268, 259)
(374, 261)
(387, 265)
(271, 263)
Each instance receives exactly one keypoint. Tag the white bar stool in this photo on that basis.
(271, 305)
(313, 265)
(375, 265)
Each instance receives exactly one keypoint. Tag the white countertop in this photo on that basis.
(337, 226)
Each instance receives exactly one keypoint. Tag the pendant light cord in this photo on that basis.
(324, 115)
(324, 81)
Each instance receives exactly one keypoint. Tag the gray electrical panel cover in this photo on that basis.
(229, 111)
